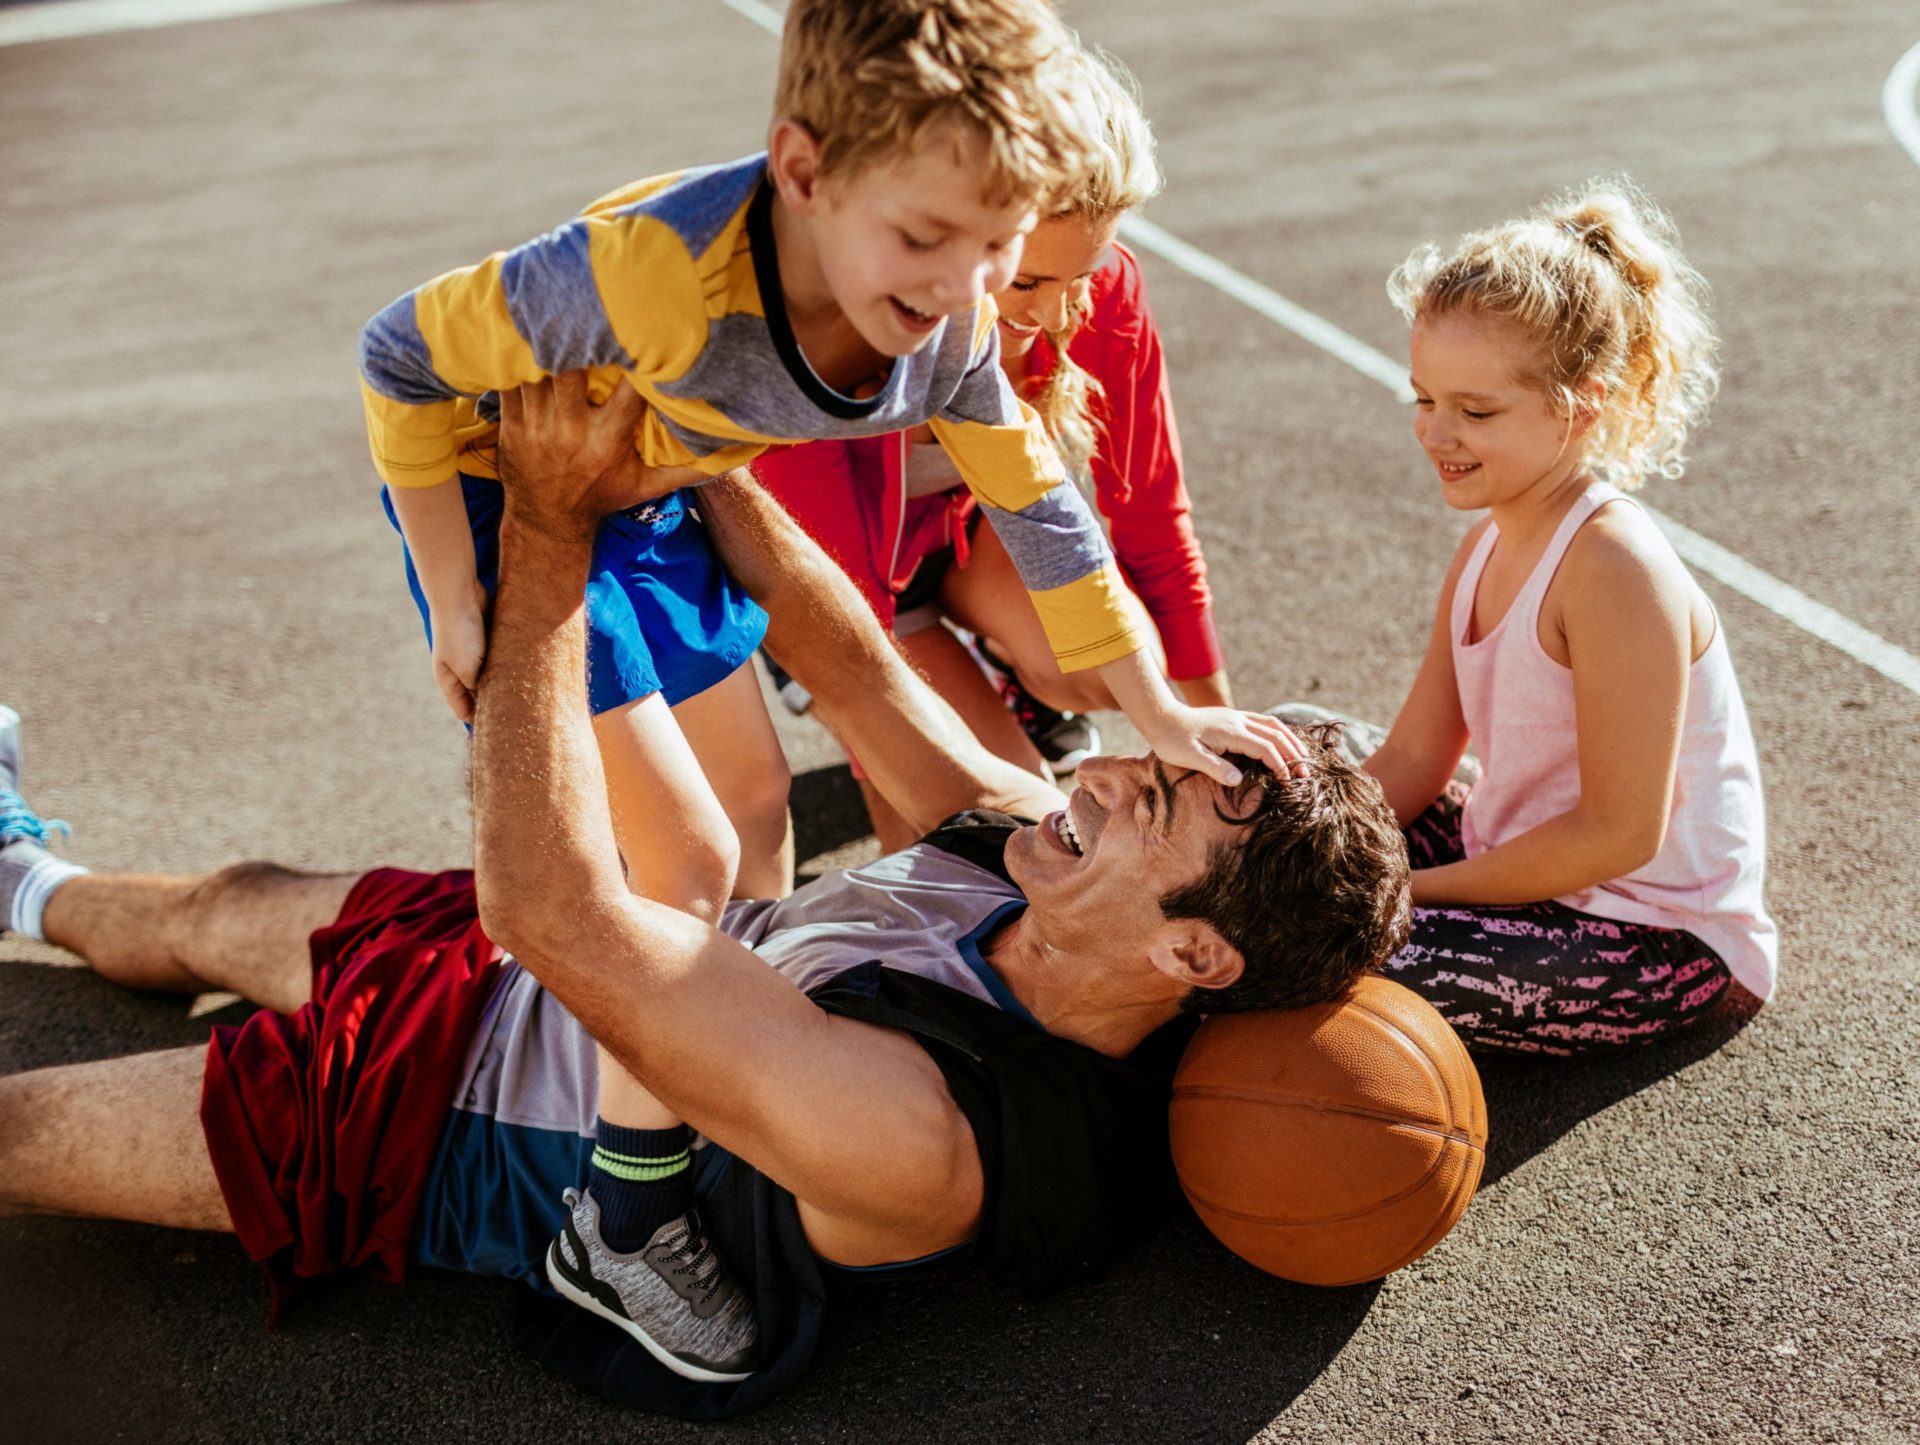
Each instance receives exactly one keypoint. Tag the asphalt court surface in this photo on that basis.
(202, 619)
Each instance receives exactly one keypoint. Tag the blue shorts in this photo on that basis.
(662, 613)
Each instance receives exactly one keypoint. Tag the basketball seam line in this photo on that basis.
(1372, 1206)
(1414, 1047)
(1249, 1096)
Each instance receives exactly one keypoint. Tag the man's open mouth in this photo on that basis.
(1064, 830)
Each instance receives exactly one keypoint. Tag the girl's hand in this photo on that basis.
(1198, 737)
(459, 647)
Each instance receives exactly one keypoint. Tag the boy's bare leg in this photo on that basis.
(635, 1229)
(118, 1139)
(678, 848)
(733, 738)
(242, 929)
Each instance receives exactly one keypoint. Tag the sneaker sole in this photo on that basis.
(561, 1280)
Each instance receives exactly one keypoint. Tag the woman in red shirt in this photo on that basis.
(1079, 344)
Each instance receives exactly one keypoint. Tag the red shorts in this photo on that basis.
(323, 1123)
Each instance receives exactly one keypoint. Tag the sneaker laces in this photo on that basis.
(693, 1258)
(17, 820)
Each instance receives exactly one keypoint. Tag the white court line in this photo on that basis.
(763, 15)
(1269, 303)
(1897, 102)
(1728, 568)
(65, 19)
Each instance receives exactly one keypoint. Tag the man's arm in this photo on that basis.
(856, 1121)
(923, 758)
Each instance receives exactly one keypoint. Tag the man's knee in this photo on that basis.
(213, 900)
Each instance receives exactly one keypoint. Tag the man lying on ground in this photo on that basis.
(937, 1054)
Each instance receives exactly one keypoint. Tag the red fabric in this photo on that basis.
(322, 1124)
(850, 495)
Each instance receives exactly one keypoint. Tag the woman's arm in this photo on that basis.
(1140, 487)
(1623, 608)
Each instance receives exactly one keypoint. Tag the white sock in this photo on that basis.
(30, 895)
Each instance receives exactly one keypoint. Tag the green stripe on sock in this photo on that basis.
(640, 1171)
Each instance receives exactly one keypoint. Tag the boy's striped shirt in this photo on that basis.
(673, 284)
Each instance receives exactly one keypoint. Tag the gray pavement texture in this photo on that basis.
(201, 618)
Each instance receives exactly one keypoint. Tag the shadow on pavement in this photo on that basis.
(1532, 1101)
(1182, 1342)
(828, 814)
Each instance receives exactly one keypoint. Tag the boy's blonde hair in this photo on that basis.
(869, 78)
(1124, 174)
(1597, 278)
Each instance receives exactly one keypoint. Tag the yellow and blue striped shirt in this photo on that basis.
(673, 284)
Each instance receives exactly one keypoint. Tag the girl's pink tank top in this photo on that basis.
(1518, 702)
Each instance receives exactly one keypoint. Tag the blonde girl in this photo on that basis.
(1601, 883)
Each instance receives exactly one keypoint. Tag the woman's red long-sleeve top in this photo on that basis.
(851, 495)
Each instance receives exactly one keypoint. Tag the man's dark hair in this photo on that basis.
(1314, 894)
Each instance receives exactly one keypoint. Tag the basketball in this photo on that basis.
(1333, 1144)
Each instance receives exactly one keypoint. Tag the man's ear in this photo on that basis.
(793, 164)
(1193, 952)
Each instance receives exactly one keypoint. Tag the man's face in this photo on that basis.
(905, 243)
(1132, 832)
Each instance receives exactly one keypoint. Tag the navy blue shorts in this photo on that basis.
(662, 613)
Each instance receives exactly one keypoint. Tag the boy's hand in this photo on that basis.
(459, 647)
(567, 463)
(1198, 738)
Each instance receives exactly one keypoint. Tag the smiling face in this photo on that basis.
(1133, 832)
(1492, 437)
(1051, 285)
(904, 243)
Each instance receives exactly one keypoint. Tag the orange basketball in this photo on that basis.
(1333, 1144)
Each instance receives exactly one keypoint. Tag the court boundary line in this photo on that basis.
(72, 19)
(1725, 566)
(1898, 102)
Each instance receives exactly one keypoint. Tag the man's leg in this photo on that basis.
(243, 929)
(118, 1139)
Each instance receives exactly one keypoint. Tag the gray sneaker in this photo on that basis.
(673, 1295)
